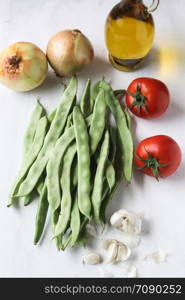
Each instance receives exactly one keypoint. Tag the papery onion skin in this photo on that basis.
(23, 66)
(68, 52)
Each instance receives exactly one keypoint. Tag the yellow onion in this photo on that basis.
(68, 52)
(23, 66)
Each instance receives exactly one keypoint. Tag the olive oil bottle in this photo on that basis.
(129, 33)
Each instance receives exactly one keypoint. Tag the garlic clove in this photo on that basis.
(106, 244)
(123, 253)
(112, 252)
(117, 251)
(128, 222)
(116, 218)
(92, 259)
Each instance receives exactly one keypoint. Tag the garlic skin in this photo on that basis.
(127, 222)
(68, 52)
(23, 66)
(92, 259)
(117, 251)
(157, 256)
(127, 272)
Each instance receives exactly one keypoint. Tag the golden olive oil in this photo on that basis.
(129, 34)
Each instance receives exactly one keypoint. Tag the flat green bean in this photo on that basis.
(110, 174)
(37, 191)
(54, 219)
(99, 177)
(32, 126)
(66, 201)
(53, 166)
(110, 170)
(113, 144)
(128, 118)
(28, 140)
(94, 93)
(80, 239)
(75, 222)
(30, 157)
(75, 174)
(124, 132)
(69, 121)
(98, 121)
(107, 196)
(41, 215)
(29, 198)
(51, 116)
(83, 154)
(55, 130)
(85, 104)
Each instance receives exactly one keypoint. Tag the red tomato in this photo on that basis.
(158, 156)
(147, 98)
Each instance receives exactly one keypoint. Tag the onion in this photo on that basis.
(68, 52)
(23, 66)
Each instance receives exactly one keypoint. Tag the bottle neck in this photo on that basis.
(132, 1)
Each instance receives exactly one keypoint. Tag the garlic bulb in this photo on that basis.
(68, 52)
(117, 251)
(23, 66)
(128, 222)
(92, 259)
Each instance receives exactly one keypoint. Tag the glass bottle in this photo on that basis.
(129, 33)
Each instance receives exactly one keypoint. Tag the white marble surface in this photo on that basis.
(163, 203)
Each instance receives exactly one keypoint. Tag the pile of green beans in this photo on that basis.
(73, 160)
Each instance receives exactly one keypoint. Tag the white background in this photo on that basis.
(163, 203)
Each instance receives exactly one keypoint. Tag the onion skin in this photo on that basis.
(23, 66)
(68, 52)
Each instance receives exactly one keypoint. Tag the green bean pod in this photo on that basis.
(128, 118)
(85, 104)
(98, 121)
(69, 121)
(124, 131)
(110, 174)
(83, 154)
(30, 157)
(94, 93)
(99, 177)
(41, 215)
(53, 168)
(37, 114)
(51, 116)
(66, 201)
(55, 130)
(106, 198)
(75, 222)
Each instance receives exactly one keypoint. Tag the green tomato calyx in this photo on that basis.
(151, 163)
(139, 100)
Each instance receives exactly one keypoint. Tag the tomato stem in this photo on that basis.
(151, 163)
(139, 100)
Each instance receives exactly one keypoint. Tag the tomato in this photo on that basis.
(147, 98)
(158, 156)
